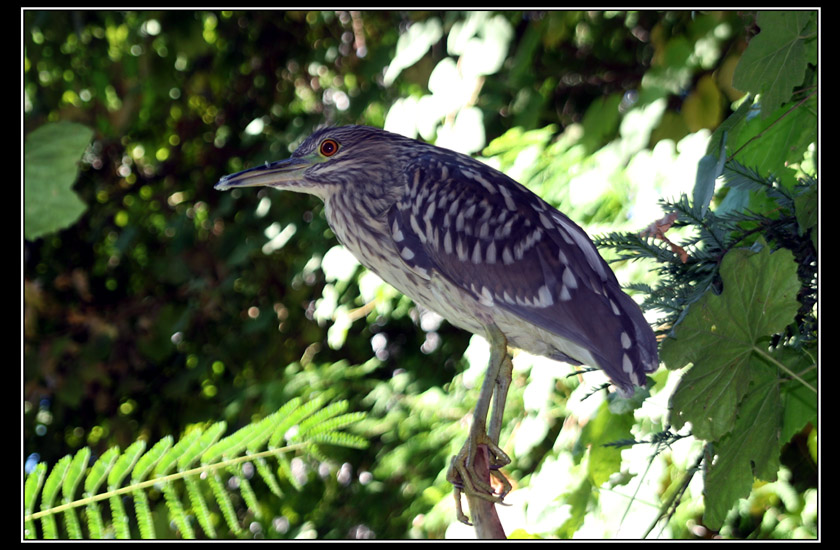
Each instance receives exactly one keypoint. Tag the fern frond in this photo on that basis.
(268, 477)
(199, 506)
(224, 502)
(176, 511)
(34, 482)
(200, 464)
(51, 488)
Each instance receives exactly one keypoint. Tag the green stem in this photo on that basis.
(770, 358)
(164, 479)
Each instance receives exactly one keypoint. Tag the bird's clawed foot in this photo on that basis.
(471, 469)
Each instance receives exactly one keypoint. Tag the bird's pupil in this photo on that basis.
(329, 147)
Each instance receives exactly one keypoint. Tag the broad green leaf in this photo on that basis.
(600, 122)
(50, 158)
(800, 402)
(775, 141)
(750, 450)
(579, 502)
(776, 58)
(605, 428)
(720, 333)
(703, 107)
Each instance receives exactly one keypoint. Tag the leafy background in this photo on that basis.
(152, 303)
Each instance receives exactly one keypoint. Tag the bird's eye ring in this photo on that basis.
(329, 147)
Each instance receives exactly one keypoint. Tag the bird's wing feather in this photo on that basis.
(498, 241)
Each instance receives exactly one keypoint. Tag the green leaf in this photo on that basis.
(125, 463)
(145, 523)
(95, 523)
(119, 518)
(775, 141)
(176, 511)
(601, 121)
(807, 213)
(100, 470)
(74, 473)
(201, 444)
(199, 506)
(579, 502)
(800, 402)
(168, 460)
(147, 461)
(775, 61)
(605, 428)
(293, 418)
(708, 170)
(68, 488)
(750, 450)
(51, 486)
(50, 158)
(34, 482)
(54, 482)
(223, 501)
(720, 333)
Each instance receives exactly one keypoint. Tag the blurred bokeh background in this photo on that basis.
(167, 303)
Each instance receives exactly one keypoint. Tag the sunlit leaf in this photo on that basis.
(50, 167)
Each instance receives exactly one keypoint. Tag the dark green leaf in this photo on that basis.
(750, 450)
(775, 60)
(50, 167)
(720, 333)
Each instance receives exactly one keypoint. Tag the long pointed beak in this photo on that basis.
(271, 174)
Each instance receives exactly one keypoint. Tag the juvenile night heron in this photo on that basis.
(478, 248)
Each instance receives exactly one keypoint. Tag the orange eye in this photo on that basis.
(329, 147)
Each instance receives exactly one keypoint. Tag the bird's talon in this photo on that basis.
(464, 478)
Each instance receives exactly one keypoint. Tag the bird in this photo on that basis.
(468, 242)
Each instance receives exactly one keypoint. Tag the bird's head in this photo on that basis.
(352, 159)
